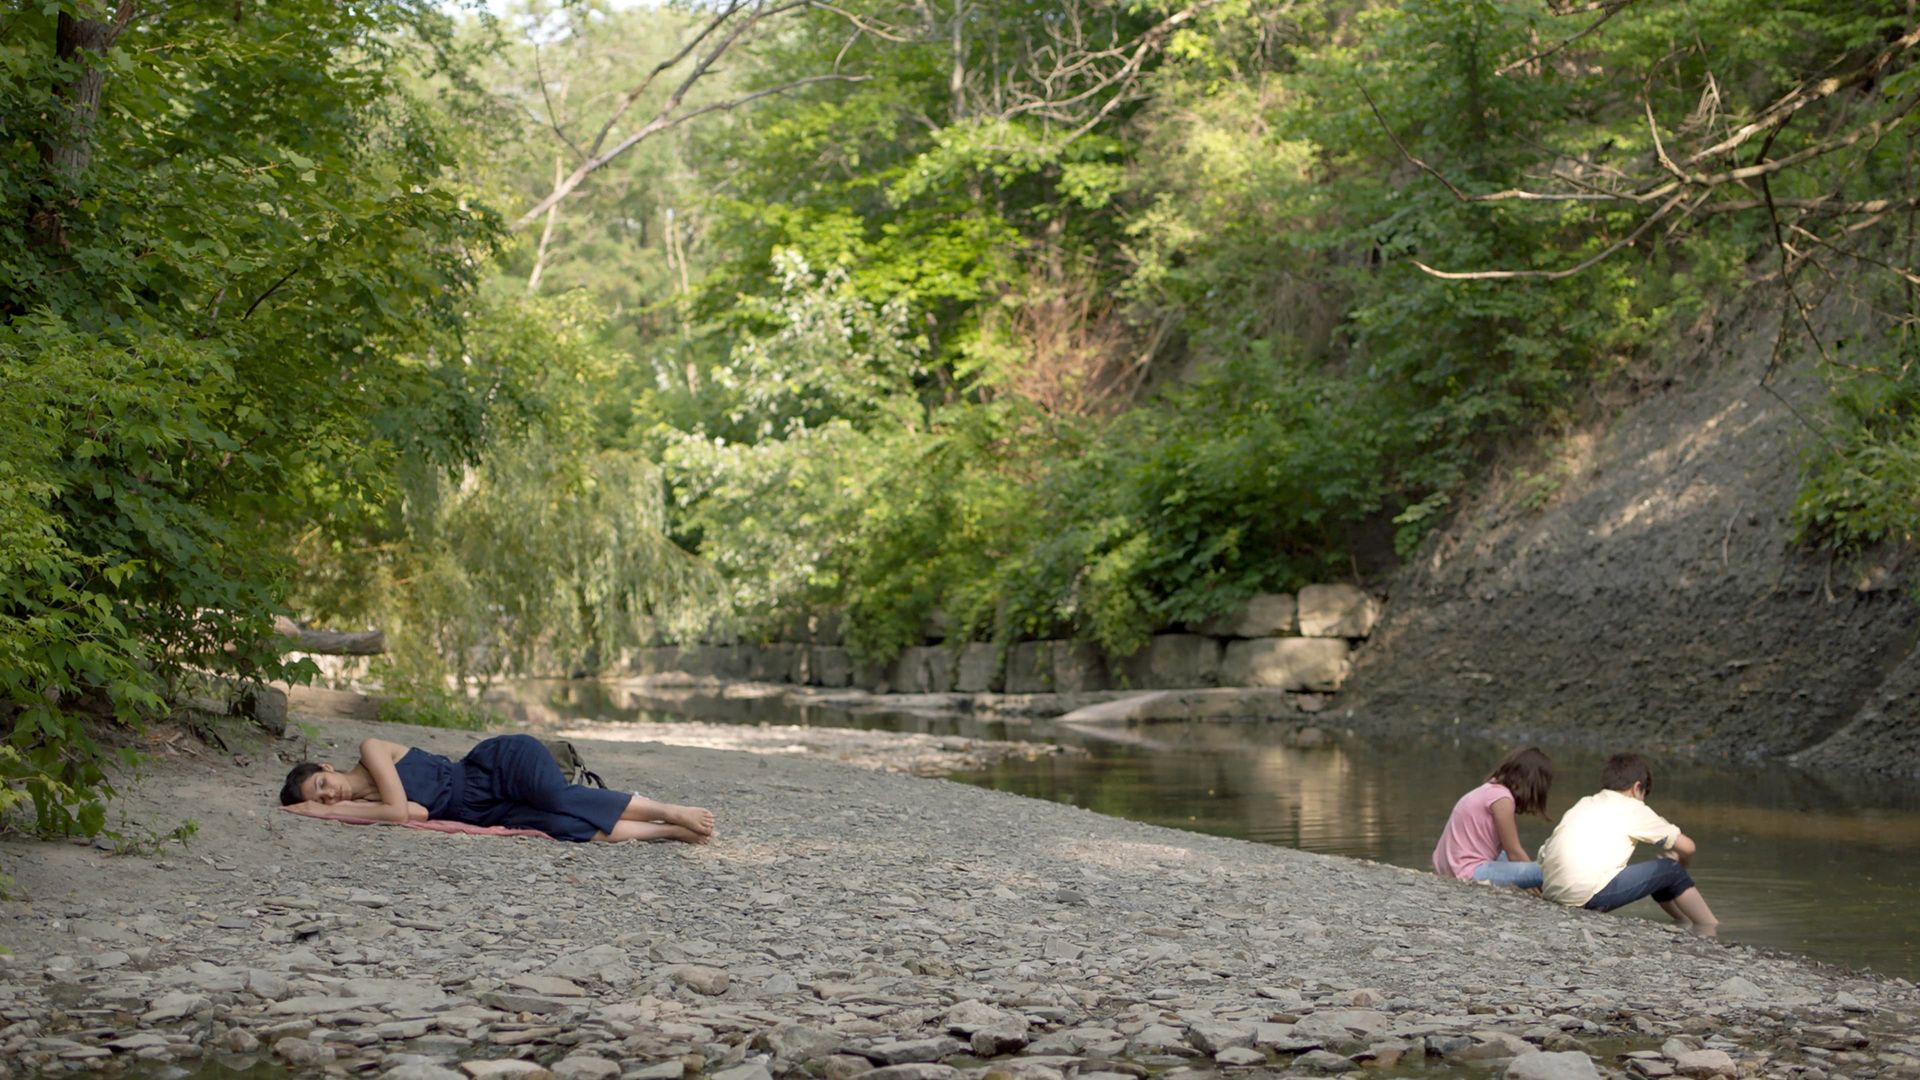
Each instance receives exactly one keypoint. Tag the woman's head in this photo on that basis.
(307, 782)
(1528, 773)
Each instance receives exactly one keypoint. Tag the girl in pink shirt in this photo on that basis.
(1481, 841)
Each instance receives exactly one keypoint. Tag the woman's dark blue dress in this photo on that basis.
(508, 780)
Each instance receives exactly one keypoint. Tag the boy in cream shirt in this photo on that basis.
(1584, 862)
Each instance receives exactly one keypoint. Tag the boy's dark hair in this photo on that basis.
(1528, 773)
(1622, 771)
(290, 791)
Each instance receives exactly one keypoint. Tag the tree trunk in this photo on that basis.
(330, 642)
(67, 148)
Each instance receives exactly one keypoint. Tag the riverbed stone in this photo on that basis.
(1240, 1057)
(1003, 1036)
(1213, 1036)
(1078, 667)
(905, 1051)
(799, 1043)
(1338, 611)
(923, 669)
(1288, 663)
(1702, 1064)
(1173, 661)
(978, 669)
(830, 666)
(505, 1069)
(1264, 615)
(1322, 1061)
(584, 1067)
(1567, 1065)
(1030, 667)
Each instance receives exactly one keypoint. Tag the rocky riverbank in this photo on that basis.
(849, 922)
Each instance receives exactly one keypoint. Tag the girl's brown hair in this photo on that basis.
(1528, 773)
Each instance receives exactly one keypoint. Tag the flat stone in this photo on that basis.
(1240, 1057)
(547, 986)
(702, 979)
(798, 1044)
(1158, 1039)
(584, 1067)
(1324, 1061)
(1265, 615)
(665, 1070)
(1004, 1037)
(421, 1070)
(505, 1069)
(138, 1041)
(919, 1070)
(1567, 1065)
(1285, 1038)
(507, 1001)
(173, 1006)
(302, 1053)
(969, 1016)
(1490, 1046)
(1212, 1036)
(908, 1051)
(1287, 663)
(746, 1070)
(1337, 611)
(1705, 1063)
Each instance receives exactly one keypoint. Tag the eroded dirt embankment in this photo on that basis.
(1638, 584)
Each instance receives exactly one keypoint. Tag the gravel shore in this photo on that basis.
(847, 921)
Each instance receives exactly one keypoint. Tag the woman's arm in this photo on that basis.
(1507, 830)
(378, 757)
(357, 808)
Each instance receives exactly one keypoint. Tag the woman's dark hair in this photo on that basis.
(1625, 770)
(1528, 773)
(290, 791)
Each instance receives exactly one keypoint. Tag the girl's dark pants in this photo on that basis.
(512, 780)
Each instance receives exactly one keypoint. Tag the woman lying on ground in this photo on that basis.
(508, 780)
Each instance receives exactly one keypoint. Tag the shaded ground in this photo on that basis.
(1641, 587)
(849, 919)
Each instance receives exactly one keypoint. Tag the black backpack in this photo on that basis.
(572, 765)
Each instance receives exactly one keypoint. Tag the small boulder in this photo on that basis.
(585, 1067)
(1706, 1063)
(1565, 1065)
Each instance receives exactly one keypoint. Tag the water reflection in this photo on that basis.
(1787, 860)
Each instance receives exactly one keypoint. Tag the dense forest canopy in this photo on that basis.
(527, 333)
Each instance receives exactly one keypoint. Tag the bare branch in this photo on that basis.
(1609, 11)
(1556, 275)
(661, 122)
(1783, 109)
(553, 115)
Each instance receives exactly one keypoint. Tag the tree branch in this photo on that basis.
(661, 122)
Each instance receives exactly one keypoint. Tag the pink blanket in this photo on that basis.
(436, 826)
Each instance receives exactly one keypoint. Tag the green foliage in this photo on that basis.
(435, 706)
(1863, 475)
(229, 319)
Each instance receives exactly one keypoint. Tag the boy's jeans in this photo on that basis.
(1500, 871)
(1662, 879)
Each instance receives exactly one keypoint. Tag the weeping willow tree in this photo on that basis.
(547, 552)
(544, 558)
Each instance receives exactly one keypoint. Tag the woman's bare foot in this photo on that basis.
(695, 819)
(651, 830)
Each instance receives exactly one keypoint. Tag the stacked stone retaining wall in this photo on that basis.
(1300, 642)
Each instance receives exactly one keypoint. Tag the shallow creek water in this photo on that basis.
(1815, 864)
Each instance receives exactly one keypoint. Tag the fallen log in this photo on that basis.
(330, 642)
